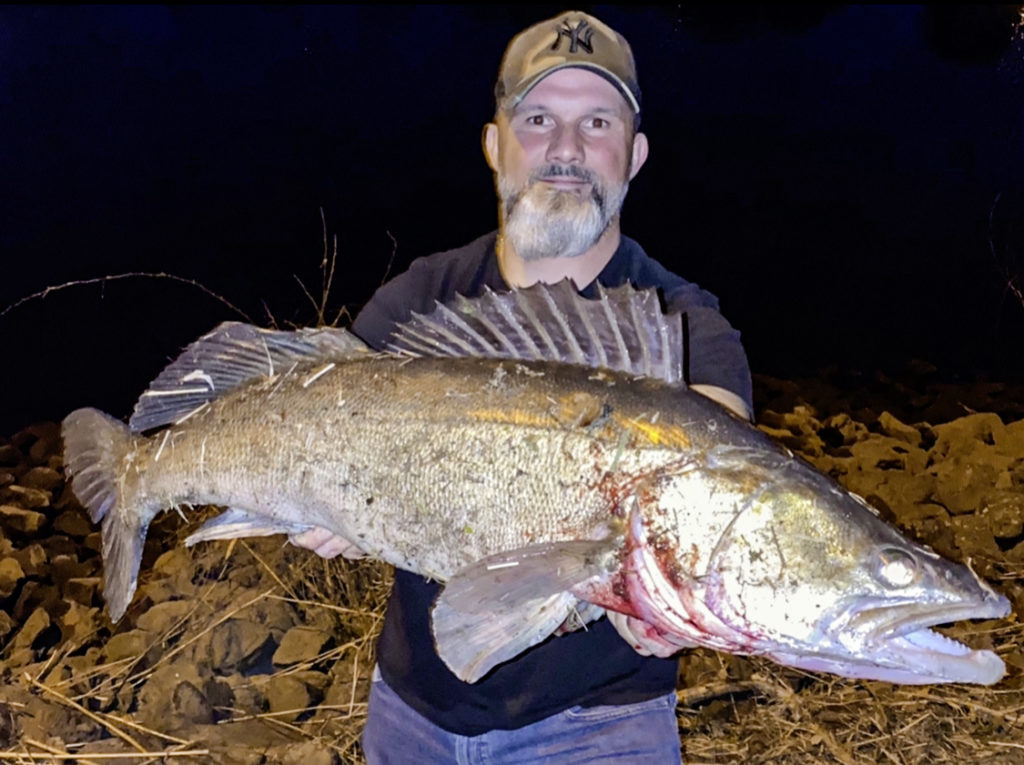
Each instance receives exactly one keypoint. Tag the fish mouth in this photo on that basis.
(897, 643)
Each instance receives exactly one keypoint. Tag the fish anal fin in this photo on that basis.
(234, 523)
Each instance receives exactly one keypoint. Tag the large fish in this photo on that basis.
(538, 453)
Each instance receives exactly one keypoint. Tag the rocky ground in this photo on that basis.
(256, 652)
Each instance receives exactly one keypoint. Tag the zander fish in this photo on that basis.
(540, 454)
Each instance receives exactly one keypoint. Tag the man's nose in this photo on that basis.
(566, 146)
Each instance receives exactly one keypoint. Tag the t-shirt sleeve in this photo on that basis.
(393, 303)
(716, 355)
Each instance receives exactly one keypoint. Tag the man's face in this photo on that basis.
(564, 158)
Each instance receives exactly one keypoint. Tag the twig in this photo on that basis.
(114, 277)
(268, 569)
(48, 755)
(328, 606)
(143, 729)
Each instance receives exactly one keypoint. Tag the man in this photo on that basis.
(564, 145)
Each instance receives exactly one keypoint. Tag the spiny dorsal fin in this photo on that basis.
(232, 354)
(623, 329)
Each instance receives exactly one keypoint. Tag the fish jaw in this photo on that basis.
(894, 642)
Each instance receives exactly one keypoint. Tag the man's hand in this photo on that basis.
(326, 544)
(646, 639)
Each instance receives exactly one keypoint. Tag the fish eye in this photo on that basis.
(895, 568)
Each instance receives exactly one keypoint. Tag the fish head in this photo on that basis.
(798, 569)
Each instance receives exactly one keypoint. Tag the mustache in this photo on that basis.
(562, 171)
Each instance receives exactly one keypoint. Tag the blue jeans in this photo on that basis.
(633, 734)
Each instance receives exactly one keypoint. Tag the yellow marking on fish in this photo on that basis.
(659, 435)
(513, 417)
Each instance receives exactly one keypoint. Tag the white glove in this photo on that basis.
(646, 639)
(327, 544)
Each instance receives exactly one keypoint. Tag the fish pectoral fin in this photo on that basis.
(235, 522)
(496, 608)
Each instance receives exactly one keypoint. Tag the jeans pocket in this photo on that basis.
(617, 711)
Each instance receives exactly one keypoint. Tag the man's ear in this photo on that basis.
(639, 156)
(490, 145)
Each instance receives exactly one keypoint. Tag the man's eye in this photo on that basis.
(599, 122)
(536, 119)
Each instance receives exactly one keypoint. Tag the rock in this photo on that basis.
(78, 621)
(18, 658)
(234, 641)
(47, 442)
(11, 573)
(287, 697)
(241, 754)
(160, 618)
(82, 589)
(219, 694)
(74, 523)
(309, 752)
(317, 681)
(6, 478)
(1004, 513)
(6, 624)
(892, 427)
(64, 567)
(26, 497)
(191, 704)
(907, 495)
(888, 453)
(1010, 440)
(20, 519)
(33, 559)
(247, 692)
(962, 434)
(45, 478)
(58, 544)
(300, 644)
(961, 484)
(974, 537)
(10, 455)
(34, 594)
(38, 621)
(127, 645)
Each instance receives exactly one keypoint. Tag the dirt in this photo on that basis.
(257, 652)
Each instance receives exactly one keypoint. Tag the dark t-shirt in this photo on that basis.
(585, 668)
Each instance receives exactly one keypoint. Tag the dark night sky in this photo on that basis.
(828, 171)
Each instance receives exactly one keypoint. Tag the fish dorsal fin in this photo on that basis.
(623, 329)
(232, 354)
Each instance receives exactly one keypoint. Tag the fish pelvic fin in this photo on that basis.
(95, 447)
(623, 329)
(496, 608)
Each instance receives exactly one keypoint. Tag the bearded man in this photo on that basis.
(564, 145)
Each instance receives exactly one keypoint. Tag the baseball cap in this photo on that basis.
(571, 39)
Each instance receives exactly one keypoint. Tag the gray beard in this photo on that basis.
(543, 222)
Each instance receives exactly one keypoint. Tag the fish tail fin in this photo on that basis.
(95, 445)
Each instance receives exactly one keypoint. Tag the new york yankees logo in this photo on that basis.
(579, 37)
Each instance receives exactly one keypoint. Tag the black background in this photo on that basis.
(847, 179)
